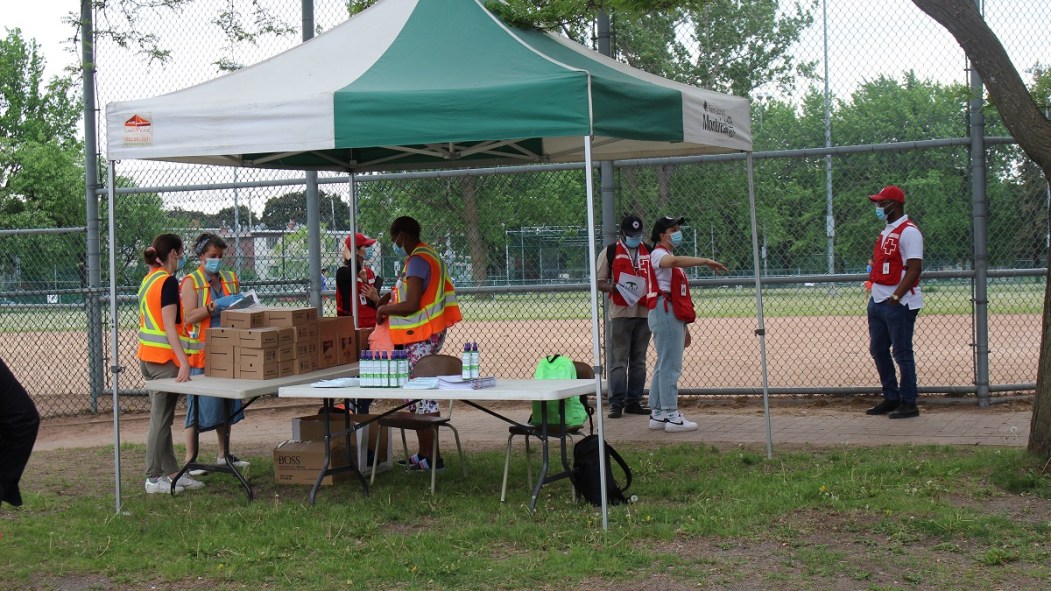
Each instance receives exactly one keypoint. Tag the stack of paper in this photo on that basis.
(458, 383)
(421, 384)
(338, 383)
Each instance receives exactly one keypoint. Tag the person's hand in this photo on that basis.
(184, 373)
(688, 339)
(370, 293)
(227, 301)
(381, 314)
(717, 266)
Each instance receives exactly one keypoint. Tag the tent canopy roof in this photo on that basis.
(413, 84)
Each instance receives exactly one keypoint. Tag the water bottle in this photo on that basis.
(465, 367)
(475, 368)
(365, 369)
(403, 368)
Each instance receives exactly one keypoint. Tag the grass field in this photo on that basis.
(877, 519)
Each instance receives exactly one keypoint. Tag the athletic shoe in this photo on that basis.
(197, 472)
(678, 423)
(658, 420)
(636, 409)
(424, 465)
(413, 460)
(238, 462)
(884, 407)
(161, 484)
(188, 482)
(905, 411)
(615, 412)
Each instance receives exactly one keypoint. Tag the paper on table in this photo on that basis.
(421, 384)
(458, 383)
(337, 383)
(631, 288)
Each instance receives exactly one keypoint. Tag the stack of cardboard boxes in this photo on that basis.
(278, 342)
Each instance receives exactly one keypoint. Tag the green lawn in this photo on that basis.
(880, 519)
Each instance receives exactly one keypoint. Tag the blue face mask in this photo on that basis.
(676, 238)
(399, 251)
(632, 241)
(369, 251)
(213, 265)
(881, 214)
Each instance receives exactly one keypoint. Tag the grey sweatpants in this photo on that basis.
(160, 450)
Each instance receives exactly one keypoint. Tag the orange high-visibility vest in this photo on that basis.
(195, 334)
(153, 341)
(438, 308)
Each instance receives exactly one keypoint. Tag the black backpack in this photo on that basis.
(585, 475)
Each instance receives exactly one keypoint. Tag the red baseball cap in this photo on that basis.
(889, 193)
(361, 240)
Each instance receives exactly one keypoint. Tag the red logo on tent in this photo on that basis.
(137, 121)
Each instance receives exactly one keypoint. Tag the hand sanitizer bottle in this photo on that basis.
(475, 368)
(465, 365)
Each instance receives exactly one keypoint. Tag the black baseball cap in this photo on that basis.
(631, 225)
(663, 223)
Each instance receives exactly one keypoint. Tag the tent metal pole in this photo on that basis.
(313, 205)
(353, 249)
(760, 330)
(593, 289)
(114, 351)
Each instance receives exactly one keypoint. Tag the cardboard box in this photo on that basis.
(286, 336)
(348, 341)
(306, 332)
(257, 364)
(286, 368)
(260, 338)
(243, 319)
(300, 350)
(328, 342)
(222, 336)
(298, 462)
(303, 365)
(286, 352)
(380, 439)
(363, 338)
(250, 357)
(219, 360)
(290, 316)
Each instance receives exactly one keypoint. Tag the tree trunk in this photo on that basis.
(475, 242)
(1032, 131)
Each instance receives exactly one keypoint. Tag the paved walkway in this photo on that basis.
(828, 425)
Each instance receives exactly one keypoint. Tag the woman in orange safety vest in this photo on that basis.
(420, 308)
(161, 355)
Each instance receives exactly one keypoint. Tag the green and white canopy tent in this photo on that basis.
(425, 84)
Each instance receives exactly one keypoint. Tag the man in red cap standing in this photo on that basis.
(368, 283)
(897, 261)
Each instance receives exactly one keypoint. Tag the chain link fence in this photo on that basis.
(516, 241)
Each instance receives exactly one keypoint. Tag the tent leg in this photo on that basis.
(114, 349)
(593, 272)
(760, 330)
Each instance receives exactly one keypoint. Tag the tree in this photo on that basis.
(1032, 130)
(279, 211)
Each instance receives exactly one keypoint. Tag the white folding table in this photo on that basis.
(505, 390)
(232, 389)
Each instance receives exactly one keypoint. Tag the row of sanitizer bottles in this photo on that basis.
(382, 369)
(469, 362)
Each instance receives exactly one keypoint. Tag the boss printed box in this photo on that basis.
(298, 462)
(243, 319)
(380, 439)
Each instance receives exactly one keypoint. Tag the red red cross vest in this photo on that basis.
(887, 265)
(622, 264)
(681, 302)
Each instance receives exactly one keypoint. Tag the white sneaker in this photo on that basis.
(197, 472)
(238, 462)
(676, 423)
(161, 484)
(187, 481)
(658, 420)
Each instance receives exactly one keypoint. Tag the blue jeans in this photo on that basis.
(630, 338)
(669, 334)
(890, 328)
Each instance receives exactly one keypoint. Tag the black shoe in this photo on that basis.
(905, 411)
(614, 412)
(637, 409)
(883, 407)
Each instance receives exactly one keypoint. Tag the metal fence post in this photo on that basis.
(93, 265)
(980, 218)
